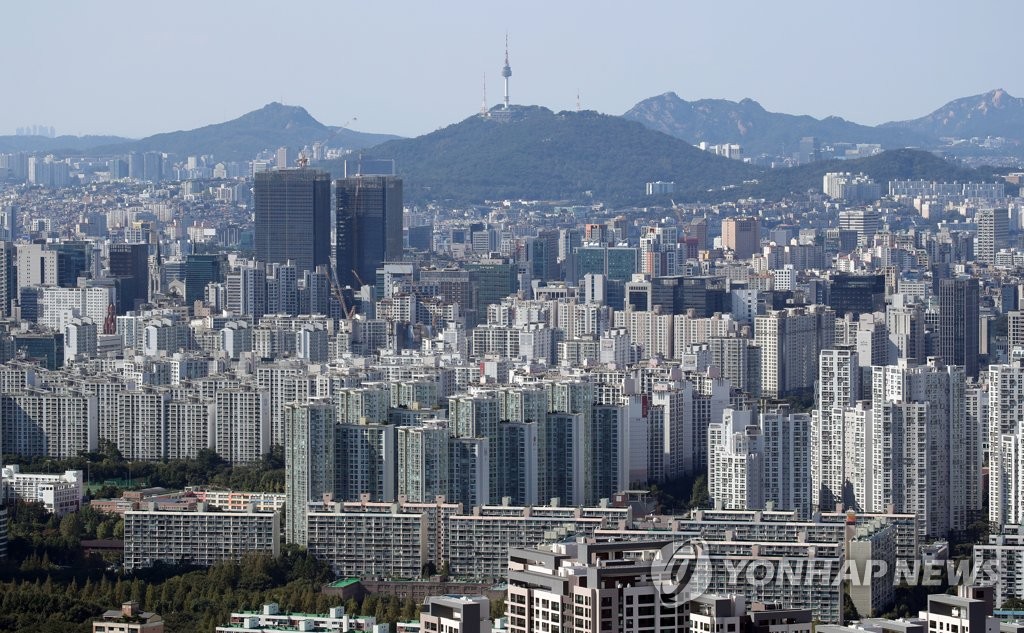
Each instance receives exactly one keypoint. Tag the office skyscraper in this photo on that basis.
(201, 270)
(8, 278)
(369, 226)
(293, 217)
(742, 236)
(958, 323)
(129, 264)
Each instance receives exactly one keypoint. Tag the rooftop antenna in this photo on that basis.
(506, 71)
(578, 108)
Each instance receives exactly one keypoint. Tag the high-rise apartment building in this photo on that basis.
(838, 386)
(368, 226)
(923, 457)
(993, 233)
(790, 341)
(310, 462)
(736, 462)
(242, 431)
(423, 469)
(1005, 443)
(756, 463)
(293, 217)
(787, 462)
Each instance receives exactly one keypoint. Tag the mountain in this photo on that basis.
(58, 144)
(531, 152)
(994, 113)
(272, 126)
(754, 128)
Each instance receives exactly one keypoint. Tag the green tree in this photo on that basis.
(71, 526)
(699, 496)
(497, 608)
(1014, 604)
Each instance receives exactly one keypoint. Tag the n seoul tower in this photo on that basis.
(506, 71)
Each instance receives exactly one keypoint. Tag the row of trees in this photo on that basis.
(208, 468)
(187, 599)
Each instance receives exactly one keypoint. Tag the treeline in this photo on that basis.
(208, 468)
(40, 544)
(187, 599)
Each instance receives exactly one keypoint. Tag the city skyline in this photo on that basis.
(608, 59)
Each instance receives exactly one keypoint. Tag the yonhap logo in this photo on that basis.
(681, 571)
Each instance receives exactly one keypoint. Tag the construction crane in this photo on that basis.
(679, 212)
(340, 296)
(358, 278)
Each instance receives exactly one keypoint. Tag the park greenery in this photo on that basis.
(108, 472)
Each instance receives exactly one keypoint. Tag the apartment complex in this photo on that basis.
(199, 537)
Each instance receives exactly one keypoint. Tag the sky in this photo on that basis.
(409, 67)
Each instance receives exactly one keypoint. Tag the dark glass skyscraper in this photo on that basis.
(8, 278)
(129, 263)
(368, 230)
(201, 270)
(293, 217)
(958, 323)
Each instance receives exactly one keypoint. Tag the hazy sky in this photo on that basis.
(408, 67)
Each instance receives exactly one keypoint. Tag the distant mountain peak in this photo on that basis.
(276, 114)
(993, 113)
(748, 123)
(269, 127)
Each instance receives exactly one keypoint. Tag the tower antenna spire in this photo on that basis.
(483, 104)
(506, 71)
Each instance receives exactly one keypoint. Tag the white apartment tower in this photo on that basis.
(993, 231)
(310, 462)
(1005, 433)
(242, 424)
(423, 467)
(736, 462)
(754, 464)
(790, 341)
(787, 462)
(838, 386)
(922, 460)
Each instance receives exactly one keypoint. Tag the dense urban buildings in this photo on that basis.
(555, 396)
